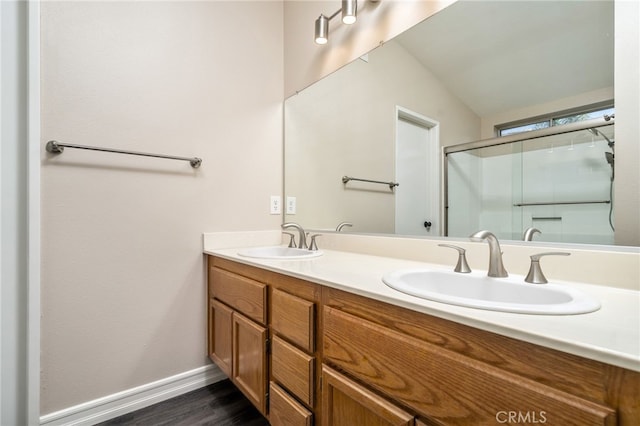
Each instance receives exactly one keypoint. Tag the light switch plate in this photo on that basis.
(275, 205)
(291, 205)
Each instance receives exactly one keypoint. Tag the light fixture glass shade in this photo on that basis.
(349, 11)
(322, 30)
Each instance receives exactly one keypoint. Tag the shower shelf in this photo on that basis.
(553, 203)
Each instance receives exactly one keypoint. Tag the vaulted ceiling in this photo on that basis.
(501, 55)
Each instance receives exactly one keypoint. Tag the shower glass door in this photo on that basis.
(560, 184)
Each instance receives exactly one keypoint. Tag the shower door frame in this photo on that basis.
(504, 140)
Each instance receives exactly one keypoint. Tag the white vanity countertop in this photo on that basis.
(610, 335)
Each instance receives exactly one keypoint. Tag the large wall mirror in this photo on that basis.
(450, 80)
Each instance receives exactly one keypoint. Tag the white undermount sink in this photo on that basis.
(279, 252)
(476, 290)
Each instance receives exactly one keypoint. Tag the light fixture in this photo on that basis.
(349, 11)
(349, 16)
(322, 29)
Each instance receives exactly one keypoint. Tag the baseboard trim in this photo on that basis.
(111, 406)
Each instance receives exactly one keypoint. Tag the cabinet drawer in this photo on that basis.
(293, 369)
(242, 294)
(294, 319)
(286, 411)
(443, 385)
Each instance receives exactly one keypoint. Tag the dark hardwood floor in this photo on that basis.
(219, 404)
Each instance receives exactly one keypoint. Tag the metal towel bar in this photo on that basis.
(57, 148)
(392, 185)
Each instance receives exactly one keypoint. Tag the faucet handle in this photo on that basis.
(535, 275)
(313, 246)
(462, 266)
(292, 241)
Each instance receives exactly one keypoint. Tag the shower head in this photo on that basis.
(611, 160)
(597, 132)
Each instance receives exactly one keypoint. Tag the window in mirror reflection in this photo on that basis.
(587, 113)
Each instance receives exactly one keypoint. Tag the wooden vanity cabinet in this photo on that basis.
(338, 358)
(450, 374)
(442, 384)
(238, 336)
(249, 306)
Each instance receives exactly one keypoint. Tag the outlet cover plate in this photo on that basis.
(275, 205)
(291, 205)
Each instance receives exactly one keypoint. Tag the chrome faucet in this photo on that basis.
(302, 237)
(529, 232)
(496, 268)
(342, 225)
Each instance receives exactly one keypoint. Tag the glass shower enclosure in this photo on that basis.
(557, 180)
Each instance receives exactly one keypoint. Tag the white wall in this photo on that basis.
(627, 92)
(123, 278)
(13, 213)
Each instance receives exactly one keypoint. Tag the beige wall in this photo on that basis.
(123, 285)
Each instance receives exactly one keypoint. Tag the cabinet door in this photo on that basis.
(249, 364)
(220, 327)
(345, 402)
